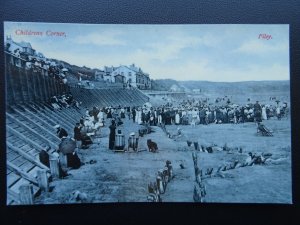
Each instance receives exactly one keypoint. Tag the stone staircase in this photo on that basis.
(30, 129)
(109, 97)
(30, 120)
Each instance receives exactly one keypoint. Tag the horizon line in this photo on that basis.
(219, 81)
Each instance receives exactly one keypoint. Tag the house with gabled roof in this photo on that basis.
(26, 47)
(131, 75)
(99, 75)
(107, 75)
(22, 47)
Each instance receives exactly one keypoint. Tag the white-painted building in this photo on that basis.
(130, 75)
(17, 48)
(108, 73)
(99, 75)
(124, 74)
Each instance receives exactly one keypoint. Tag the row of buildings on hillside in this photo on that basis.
(21, 49)
(128, 75)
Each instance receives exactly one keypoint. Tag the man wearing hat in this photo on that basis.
(257, 112)
(112, 135)
(61, 132)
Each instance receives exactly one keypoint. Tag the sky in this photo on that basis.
(226, 53)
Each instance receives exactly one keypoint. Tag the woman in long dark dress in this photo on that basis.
(77, 133)
(112, 134)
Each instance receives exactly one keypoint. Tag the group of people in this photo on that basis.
(64, 101)
(193, 113)
(38, 63)
(51, 69)
(67, 148)
(96, 117)
(185, 114)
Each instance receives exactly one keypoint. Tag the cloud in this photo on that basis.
(194, 69)
(201, 71)
(171, 48)
(107, 37)
(179, 54)
(254, 73)
(262, 47)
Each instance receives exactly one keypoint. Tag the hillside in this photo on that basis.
(74, 70)
(237, 87)
(163, 84)
(224, 87)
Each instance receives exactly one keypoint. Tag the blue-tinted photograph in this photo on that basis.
(108, 113)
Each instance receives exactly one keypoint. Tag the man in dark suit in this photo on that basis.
(61, 132)
(257, 112)
(112, 134)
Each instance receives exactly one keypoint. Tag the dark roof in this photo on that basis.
(25, 44)
(108, 69)
(119, 75)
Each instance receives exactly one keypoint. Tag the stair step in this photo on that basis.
(11, 178)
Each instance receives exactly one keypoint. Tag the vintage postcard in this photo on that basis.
(99, 113)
